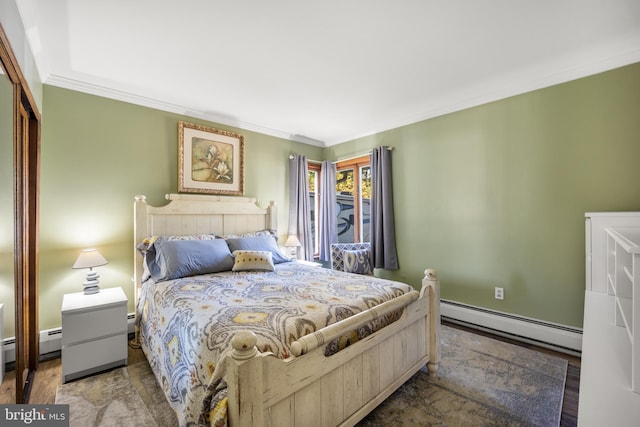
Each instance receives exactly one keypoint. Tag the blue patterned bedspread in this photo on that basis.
(186, 324)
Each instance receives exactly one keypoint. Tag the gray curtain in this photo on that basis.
(383, 234)
(328, 227)
(299, 211)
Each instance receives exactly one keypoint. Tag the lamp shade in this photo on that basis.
(292, 241)
(89, 258)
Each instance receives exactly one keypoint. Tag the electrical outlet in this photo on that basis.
(499, 293)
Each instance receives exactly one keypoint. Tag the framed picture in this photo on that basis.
(210, 160)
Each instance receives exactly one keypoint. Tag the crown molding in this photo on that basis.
(495, 90)
(120, 95)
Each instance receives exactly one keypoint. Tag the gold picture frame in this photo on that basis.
(210, 160)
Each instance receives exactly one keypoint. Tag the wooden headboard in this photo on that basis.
(187, 214)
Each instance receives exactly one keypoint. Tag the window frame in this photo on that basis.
(316, 168)
(356, 164)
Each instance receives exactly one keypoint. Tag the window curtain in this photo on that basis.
(383, 234)
(328, 228)
(299, 210)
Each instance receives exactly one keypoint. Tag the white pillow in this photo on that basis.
(252, 261)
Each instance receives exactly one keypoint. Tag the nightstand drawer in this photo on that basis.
(78, 327)
(92, 356)
(94, 332)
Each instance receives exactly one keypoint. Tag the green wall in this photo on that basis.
(496, 195)
(97, 154)
(490, 196)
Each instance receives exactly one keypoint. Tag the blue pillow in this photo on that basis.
(357, 261)
(181, 258)
(258, 243)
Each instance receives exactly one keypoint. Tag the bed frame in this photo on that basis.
(307, 389)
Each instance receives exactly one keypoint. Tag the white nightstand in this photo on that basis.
(94, 332)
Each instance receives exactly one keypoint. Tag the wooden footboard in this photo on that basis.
(312, 389)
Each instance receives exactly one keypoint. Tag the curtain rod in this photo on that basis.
(341, 160)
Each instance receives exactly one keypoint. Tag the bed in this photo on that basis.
(308, 351)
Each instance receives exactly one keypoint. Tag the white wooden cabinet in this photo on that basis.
(596, 244)
(623, 282)
(606, 398)
(94, 332)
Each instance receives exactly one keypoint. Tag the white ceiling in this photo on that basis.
(324, 72)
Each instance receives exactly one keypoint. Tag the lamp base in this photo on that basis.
(90, 286)
(92, 275)
(89, 290)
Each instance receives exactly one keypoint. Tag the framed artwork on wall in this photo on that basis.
(210, 160)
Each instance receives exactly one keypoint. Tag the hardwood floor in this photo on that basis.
(571, 392)
(47, 379)
(49, 376)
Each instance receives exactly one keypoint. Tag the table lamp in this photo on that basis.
(293, 243)
(90, 258)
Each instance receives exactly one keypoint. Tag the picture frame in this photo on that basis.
(210, 160)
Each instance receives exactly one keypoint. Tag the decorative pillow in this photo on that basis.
(357, 261)
(271, 233)
(148, 251)
(252, 261)
(258, 243)
(148, 242)
(182, 258)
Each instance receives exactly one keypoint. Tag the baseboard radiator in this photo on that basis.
(50, 342)
(554, 336)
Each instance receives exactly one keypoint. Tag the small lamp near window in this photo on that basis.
(90, 258)
(293, 244)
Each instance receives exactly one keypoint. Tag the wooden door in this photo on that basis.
(26, 167)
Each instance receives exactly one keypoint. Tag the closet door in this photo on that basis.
(25, 144)
(27, 343)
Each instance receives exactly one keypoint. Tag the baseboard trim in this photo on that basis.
(562, 338)
(50, 343)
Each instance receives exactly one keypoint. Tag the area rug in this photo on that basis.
(128, 396)
(480, 382)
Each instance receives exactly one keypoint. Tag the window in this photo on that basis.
(313, 181)
(353, 194)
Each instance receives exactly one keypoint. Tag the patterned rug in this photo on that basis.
(480, 382)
